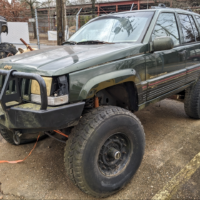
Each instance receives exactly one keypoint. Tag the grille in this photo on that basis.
(24, 85)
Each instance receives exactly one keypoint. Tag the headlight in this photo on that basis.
(52, 101)
(57, 90)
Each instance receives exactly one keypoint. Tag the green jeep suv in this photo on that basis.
(90, 87)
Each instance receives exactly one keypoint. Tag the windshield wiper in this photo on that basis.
(70, 42)
(86, 42)
(94, 42)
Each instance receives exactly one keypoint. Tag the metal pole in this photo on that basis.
(37, 29)
(132, 6)
(77, 19)
(63, 20)
(147, 4)
(1, 32)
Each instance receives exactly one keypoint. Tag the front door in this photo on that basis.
(169, 73)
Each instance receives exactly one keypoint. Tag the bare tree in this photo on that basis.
(14, 11)
(93, 8)
(185, 4)
(32, 4)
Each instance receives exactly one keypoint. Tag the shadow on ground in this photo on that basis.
(172, 140)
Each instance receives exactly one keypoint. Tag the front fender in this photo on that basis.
(106, 80)
(97, 83)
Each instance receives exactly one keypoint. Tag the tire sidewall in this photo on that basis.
(94, 179)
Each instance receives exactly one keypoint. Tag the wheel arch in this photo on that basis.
(104, 81)
(124, 95)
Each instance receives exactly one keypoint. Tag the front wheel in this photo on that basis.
(104, 151)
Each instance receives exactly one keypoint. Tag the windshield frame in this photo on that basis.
(117, 15)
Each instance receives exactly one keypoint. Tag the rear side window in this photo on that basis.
(190, 32)
(198, 19)
(196, 32)
(167, 26)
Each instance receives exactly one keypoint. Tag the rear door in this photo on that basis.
(191, 41)
(170, 72)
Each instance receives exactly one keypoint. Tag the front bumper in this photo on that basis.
(29, 117)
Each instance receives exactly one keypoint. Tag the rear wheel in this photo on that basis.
(105, 150)
(192, 101)
(24, 139)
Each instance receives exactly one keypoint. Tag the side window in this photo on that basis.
(198, 19)
(196, 32)
(167, 26)
(186, 26)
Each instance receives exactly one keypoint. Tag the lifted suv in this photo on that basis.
(113, 66)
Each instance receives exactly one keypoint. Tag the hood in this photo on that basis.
(65, 59)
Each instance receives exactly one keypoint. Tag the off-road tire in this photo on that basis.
(82, 151)
(192, 101)
(8, 136)
(7, 49)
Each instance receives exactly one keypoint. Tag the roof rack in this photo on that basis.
(189, 10)
(160, 6)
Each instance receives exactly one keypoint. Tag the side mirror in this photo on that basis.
(161, 44)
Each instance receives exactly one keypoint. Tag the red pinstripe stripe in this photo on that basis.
(175, 76)
(193, 69)
(167, 79)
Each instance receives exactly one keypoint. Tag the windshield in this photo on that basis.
(129, 27)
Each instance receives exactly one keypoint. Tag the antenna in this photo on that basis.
(132, 7)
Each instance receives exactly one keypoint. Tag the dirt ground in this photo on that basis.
(172, 140)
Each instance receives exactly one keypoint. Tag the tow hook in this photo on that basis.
(16, 137)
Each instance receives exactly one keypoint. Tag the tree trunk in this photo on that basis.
(34, 30)
(34, 26)
(93, 8)
(59, 21)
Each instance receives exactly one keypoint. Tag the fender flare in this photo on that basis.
(106, 80)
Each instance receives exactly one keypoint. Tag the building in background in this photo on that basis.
(47, 12)
(108, 6)
(101, 7)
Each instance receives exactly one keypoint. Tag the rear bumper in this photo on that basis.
(29, 117)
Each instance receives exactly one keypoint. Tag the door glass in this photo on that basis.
(186, 26)
(198, 19)
(196, 32)
(167, 26)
